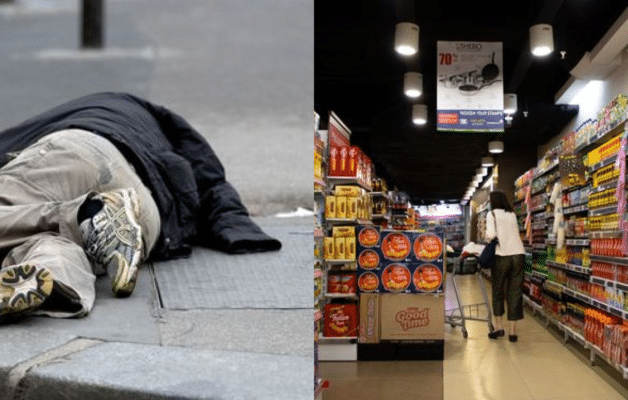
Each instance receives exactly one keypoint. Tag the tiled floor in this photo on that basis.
(537, 367)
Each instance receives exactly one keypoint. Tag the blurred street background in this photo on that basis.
(241, 72)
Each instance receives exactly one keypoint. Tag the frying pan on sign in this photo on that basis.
(470, 89)
(490, 71)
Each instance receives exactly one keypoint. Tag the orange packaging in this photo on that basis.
(334, 161)
(339, 249)
(350, 248)
(352, 207)
(354, 159)
(341, 320)
(330, 207)
(341, 207)
(333, 283)
(345, 283)
(343, 169)
(343, 231)
(329, 248)
(348, 283)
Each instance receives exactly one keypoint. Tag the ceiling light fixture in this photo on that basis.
(496, 147)
(413, 84)
(488, 161)
(510, 103)
(407, 38)
(419, 114)
(541, 40)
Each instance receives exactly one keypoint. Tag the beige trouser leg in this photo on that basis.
(41, 191)
(67, 262)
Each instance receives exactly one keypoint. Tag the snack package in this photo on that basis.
(329, 248)
(343, 231)
(350, 248)
(330, 207)
(341, 207)
(341, 320)
(339, 248)
(352, 207)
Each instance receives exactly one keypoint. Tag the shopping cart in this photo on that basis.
(469, 312)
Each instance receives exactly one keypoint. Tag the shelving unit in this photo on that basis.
(580, 286)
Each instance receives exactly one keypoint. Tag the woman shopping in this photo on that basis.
(507, 273)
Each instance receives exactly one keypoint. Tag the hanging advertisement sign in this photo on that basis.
(470, 89)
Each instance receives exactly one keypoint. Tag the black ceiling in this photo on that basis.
(360, 78)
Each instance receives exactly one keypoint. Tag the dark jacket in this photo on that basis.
(196, 204)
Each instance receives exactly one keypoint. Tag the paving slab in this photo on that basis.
(211, 279)
(256, 331)
(131, 371)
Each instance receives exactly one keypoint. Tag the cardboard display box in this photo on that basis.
(412, 316)
(369, 318)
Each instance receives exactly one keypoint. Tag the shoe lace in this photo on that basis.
(109, 230)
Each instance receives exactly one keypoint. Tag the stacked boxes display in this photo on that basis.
(398, 261)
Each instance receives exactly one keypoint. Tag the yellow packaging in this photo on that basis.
(330, 207)
(350, 248)
(360, 208)
(352, 207)
(343, 231)
(339, 248)
(341, 207)
(329, 249)
(342, 190)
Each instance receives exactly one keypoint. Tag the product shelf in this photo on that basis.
(577, 242)
(603, 211)
(569, 267)
(337, 340)
(609, 283)
(606, 162)
(547, 170)
(601, 136)
(348, 221)
(610, 260)
(594, 350)
(339, 262)
(343, 180)
(350, 296)
(576, 209)
(604, 186)
(605, 234)
(380, 194)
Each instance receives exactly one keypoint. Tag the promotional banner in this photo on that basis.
(470, 87)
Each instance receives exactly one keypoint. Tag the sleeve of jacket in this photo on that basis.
(490, 227)
(223, 221)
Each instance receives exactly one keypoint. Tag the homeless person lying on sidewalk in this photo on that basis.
(100, 184)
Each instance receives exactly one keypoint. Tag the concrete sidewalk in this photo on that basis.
(214, 326)
(200, 328)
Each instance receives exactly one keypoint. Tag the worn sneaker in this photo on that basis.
(113, 238)
(23, 288)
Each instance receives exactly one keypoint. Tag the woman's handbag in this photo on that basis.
(487, 258)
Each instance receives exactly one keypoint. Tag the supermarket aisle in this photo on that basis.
(538, 367)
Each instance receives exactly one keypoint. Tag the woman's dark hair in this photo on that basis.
(500, 201)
